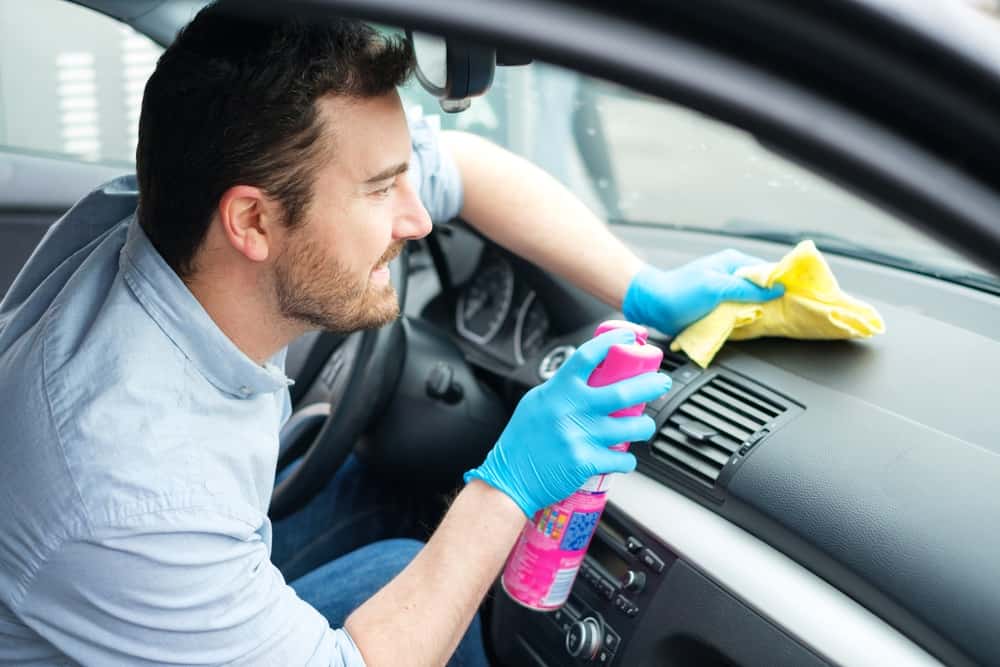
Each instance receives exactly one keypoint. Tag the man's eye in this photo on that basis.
(384, 192)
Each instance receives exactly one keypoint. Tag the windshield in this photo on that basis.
(640, 160)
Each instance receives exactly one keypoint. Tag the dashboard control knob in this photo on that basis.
(441, 384)
(634, 581)
(584, 639)
(554, 360)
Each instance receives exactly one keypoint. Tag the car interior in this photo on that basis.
(801, 503)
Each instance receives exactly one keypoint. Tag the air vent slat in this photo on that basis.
(742, 407)
(737, 392)
(705, 450)
(704, 416)
(728, 444)
(700, 468)
(707, 402)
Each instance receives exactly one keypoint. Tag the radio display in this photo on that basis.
(607, 557)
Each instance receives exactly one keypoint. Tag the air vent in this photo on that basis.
(712, 424)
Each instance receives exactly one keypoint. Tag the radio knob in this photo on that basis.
(583, 640)
(634, 581)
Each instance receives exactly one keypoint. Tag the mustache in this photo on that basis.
(392, 253)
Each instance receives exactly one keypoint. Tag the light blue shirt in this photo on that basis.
(138, 447)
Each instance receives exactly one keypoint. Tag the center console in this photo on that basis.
(619, 578)
(636, 604)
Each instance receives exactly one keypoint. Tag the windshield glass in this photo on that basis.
(638, 159)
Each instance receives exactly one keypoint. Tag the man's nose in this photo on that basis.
(413, 221)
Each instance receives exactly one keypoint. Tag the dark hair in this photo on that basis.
(232, 102)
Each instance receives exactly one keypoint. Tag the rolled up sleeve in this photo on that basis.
(433, 170)
(176, 592)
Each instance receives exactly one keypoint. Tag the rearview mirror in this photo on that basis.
(431, 53)
(452, 70)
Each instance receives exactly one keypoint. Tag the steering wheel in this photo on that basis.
(361, 375)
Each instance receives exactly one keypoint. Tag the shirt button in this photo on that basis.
(245, 390)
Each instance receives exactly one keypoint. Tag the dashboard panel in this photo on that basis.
(500, 313)
(505, 313)
(605, 623)
(878, 483)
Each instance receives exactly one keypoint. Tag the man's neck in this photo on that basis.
(239, 307)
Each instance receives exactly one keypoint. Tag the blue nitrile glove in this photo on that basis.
(671, 300)
(561, 430)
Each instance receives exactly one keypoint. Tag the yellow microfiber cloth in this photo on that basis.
(812, 307)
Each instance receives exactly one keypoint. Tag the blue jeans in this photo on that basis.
(351, 539)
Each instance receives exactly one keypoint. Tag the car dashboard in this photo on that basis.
(801, 502)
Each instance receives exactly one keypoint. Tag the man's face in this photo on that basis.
(332, 272)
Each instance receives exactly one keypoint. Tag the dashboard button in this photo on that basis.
(658, 404)
(611, 640)
(607, 590)
(685, 374)
(633, 545)
(651, 560)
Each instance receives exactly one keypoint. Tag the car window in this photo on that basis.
(639, 159)
(71, 81)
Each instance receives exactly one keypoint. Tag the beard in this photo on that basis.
(313, 290)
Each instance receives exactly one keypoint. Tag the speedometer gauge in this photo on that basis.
(531, 330)
(485, 302)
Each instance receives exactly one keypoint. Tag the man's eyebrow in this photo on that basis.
(388, 173)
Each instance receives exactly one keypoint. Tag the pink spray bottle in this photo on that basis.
(547, 556)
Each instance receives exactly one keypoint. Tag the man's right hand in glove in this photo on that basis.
(560, 432)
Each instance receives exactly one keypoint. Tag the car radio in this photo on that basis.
(620, 575)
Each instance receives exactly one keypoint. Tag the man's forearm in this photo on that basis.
(419, 617)
(522, 208)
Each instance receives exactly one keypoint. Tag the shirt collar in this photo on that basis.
(173, 307)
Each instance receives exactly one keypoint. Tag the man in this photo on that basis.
(141, 352)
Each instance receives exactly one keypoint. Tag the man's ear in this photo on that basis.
(248, 218)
